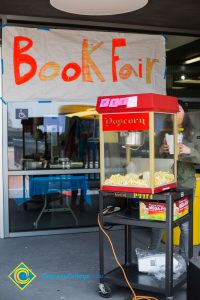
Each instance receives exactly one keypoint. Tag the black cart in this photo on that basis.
(139, 280)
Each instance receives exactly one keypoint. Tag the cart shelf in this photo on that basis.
(129, 218)
(140, 280)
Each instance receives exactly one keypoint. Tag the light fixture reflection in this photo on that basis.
(192, 60)
(98, 8)
(182, 77)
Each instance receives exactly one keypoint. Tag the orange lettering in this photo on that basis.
(126, 71)
(149, 66)
(49, 65)
(87, 62)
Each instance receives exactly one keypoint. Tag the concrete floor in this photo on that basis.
(69, 255)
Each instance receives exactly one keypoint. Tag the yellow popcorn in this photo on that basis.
(132, 179)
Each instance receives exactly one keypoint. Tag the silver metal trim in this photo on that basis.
(1, 160)
(53, 172)
(53, 231)
(61, 231)
(5, 172)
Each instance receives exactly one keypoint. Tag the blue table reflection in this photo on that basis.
(42, 185)
(60, 184)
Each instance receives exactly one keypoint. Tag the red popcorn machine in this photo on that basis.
(132, 131)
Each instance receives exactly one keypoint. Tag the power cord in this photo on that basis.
(135, 297)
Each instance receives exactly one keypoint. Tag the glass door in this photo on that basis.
(53, 166)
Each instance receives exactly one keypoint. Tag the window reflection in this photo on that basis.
(52, 136)
(40, 202)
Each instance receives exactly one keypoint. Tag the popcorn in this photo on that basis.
(132, 179)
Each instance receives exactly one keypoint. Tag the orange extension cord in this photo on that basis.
(135, 297)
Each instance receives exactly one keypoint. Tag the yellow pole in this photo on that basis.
(151, 150)
(175, 146)
(101, 152)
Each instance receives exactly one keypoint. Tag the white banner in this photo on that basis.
(79, 66)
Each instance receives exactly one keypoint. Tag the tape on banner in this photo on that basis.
(2, 66)
(43, 28)
(3, 25)
(4, 102)
(165, 36)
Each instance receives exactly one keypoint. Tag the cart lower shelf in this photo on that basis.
(140, 281)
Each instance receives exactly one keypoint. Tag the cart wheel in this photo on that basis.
(104, 290)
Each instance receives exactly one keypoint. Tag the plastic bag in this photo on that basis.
(153, 262)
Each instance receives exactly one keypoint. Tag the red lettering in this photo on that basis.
(77, 72)
(140, 67)
(115, 58)
(20, 58)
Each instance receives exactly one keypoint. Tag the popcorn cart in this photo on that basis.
(133, 130)
(135, 165)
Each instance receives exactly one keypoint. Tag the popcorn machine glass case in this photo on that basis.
(134, 130)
